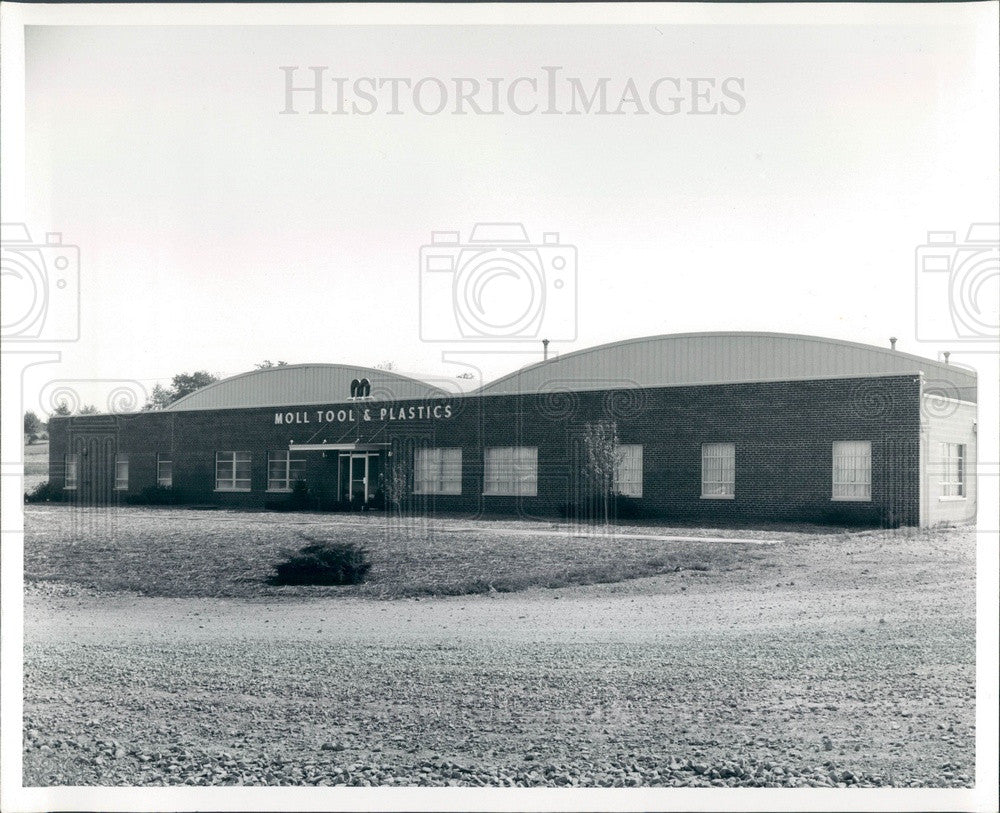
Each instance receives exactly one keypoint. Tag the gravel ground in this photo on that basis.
(847, 661)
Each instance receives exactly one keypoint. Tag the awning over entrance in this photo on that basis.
(337, 447)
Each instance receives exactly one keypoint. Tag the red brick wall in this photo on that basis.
(783, 433)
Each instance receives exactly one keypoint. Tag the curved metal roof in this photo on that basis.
(308, 384)
(721, 358)
(651, 361)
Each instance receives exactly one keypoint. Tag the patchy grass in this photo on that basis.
(36, 464)
(183, 552)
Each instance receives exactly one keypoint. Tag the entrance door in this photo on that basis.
(359, 479)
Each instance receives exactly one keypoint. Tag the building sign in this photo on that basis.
(355, 414)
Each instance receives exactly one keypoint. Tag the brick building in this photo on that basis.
(711, 427)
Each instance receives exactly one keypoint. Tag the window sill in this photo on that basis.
(850, 499)
(69, 488)
(718, 496)
(437, 493)
(952, 499)
(232, 491)
(274, 490)
(508, 494)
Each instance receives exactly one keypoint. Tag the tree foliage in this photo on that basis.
(267, 364)
(32, 425)
(396, 484)
(603, 459)
(182, 384)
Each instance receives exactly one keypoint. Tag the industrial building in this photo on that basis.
(713, 428)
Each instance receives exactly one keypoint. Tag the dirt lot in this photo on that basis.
(825, 659)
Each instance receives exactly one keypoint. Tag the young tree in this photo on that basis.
(88, 409)
(396, 483)
(385, 365)
(62, 409)
(32, 425)
(603, 459)
(267, 364)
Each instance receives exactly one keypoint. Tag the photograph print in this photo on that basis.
(500, 407)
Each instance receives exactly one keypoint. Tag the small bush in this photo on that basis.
(153, 495)
(298, 500)
(324, 563)
(620, 507)
(44, 492)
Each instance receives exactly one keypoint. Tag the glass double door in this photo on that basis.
(360, 475)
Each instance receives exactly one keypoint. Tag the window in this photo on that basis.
(121, 472)
(852, 470)
(511, 471)
(628, 474)
(953, 469)
(164, 471)
(283, 470)
(72, 463)
(232, 471)
(437, 471)
(718, 470)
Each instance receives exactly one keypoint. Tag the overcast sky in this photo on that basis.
(215, 232)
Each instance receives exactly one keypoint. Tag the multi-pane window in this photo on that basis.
(121, 472)
(72, 463)
(718, 470)
(852, 470)
(164, 471)
(628, 470)
(232, 471)
(511, 471)
(437, 471)
(283, 470)
(953, 469)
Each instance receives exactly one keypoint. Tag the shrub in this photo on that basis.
(298, 500)
(44, 492)
(620, 507)
(153, 495)
(324, 563)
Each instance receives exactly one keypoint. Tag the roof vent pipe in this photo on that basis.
(545, 349)
(946, 354)
(892, 342)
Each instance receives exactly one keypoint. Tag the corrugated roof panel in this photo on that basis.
(308, 384)
(717, 358)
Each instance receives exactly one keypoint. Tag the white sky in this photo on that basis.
(215, 233)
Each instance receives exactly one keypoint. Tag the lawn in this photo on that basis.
(36, 464)
(186, 552)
